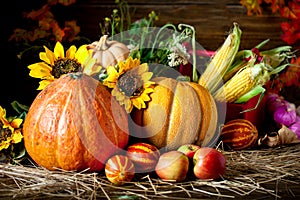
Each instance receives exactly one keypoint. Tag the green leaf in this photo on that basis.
(252, 93)
(260, 45)
(19, 108)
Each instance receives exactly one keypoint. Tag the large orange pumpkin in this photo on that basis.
(179, 113)
(75, 124)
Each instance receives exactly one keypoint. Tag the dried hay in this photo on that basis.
(249, 173)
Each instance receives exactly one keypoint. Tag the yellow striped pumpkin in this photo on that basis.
(180, 112)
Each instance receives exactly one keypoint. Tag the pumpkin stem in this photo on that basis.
(102, 44)
(76, 75)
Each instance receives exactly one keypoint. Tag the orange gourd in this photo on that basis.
(75, 124)
(179, 112)
(239, 134)
(108, 52)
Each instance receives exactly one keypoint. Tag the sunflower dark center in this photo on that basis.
(130, 84)
(4, 132)
(65, 66)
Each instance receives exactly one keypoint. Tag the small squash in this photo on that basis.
(108, 53)
(119, 169)
(239, 134)
(75, 124)
(179, 113)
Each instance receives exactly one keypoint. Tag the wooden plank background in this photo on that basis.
(212, 19)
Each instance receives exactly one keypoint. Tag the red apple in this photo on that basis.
(119, 169)
(209, 163)
(172, 166)
(144, 156)
(189, 150)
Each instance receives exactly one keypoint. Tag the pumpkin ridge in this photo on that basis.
(209, 114)
(181, 92)
(105, 109)
(172, 112)
(61, 124)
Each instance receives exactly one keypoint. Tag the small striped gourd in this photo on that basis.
(239, 134)
(119, 169)
(144, 156)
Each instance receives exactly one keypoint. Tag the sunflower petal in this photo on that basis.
(146, 76)
(128, 105)
(90, 68)
(5, 144)
(39, 70)
(59, 51)
(16, 123)
(47, 56)
(71, 52)
(143, 68)
(43, 84)
(17, 136)
(82, 54)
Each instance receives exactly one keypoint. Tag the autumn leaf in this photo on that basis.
(282, 137)
(252, 6)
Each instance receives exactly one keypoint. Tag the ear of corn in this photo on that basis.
(241, 83)
(242, 59)
(258, 89)
(212, 77)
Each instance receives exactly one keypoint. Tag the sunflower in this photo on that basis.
(131, 83)
(10, 131)
(56, 64)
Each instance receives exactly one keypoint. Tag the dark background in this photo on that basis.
(212, 20)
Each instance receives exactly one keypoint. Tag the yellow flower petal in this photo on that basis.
(71, 52)
(128, 105)
(17, 136)
(144, 96)
(2, 112)
(16, 123)
(112, 78)
(138, 103)
(148, 84)
(44, 83)
(143, 68)
(116, 93)
(146, 76)
(59, 51)
(40, 70)
(128, 64)
(47, 56)
(5, 144)
(82, 54)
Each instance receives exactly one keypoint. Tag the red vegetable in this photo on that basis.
(209, 163)
(172, 166)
